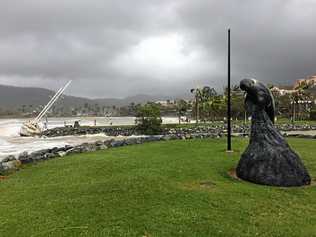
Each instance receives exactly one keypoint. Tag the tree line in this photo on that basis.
(206, 104)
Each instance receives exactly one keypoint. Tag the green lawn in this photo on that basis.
(175, 188)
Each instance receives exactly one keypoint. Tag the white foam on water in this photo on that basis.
(16, 145)
(12, 144)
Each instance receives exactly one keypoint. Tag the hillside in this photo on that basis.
(11, 96)
(14, 97)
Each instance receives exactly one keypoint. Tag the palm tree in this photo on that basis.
(182, 107)
(202, 100)
(196, 92)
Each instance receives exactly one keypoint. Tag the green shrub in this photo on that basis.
(148, 119)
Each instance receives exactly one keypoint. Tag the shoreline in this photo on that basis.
(13, 162)
(12, 144)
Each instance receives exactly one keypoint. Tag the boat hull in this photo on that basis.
(29, 129)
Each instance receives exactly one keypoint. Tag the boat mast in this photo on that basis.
(51, 102)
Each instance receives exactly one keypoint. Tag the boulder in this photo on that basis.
(62, 153)
(9, 158)
(10, 165)
(102, 147)
(131, 141)
(37, 155)
(25, 158)
(50, 155)
(118, 143)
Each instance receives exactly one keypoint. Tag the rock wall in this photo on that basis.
(11, 162)
(14, 162)
(128, 131)
(84, 130)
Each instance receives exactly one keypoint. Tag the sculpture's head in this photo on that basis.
(258, 96)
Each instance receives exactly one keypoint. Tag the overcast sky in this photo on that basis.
(118, 48)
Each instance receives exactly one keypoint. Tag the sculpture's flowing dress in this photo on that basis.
(268, 159)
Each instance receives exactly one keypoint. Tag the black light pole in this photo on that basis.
(196, 107)
(229, 142)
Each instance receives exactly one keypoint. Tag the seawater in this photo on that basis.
(12, 144)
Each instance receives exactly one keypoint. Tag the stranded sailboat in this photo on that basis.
(32, 128)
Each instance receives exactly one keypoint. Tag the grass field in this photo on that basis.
(175, 188)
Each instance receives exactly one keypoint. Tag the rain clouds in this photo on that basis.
(118, 48)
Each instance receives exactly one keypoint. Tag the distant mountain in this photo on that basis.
(11, 96)
(14, 97)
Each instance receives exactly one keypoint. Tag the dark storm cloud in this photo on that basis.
(271, 40)
(119, 48)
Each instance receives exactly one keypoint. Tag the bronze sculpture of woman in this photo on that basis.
(268, 159)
